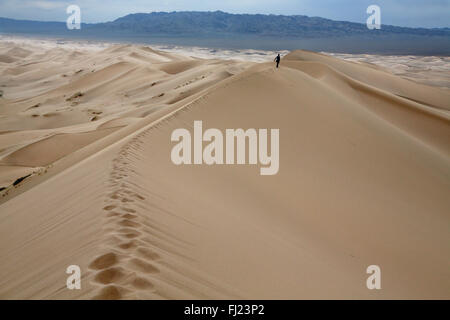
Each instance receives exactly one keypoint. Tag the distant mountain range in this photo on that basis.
(218, 22)
(254, 24)
(234, 27)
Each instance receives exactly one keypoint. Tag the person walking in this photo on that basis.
(277, 60)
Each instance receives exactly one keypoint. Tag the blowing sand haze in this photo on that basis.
(87, 179)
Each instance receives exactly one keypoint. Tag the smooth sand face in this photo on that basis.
(364, 178)
(434, 71)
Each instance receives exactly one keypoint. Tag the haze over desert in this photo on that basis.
(86, 176)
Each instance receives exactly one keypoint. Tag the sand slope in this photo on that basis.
(56, 101)
(364, 180)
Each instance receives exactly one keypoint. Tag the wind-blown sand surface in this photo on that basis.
(364, 178)
(433, 71)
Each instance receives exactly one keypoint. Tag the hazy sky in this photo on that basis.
(412, 13)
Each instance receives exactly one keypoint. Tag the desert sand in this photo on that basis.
(432, 70)
(87, 180)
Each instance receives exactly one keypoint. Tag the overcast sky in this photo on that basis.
(411, 13)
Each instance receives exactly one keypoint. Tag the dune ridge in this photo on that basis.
(364, 179)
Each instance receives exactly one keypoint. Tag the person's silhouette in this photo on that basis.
(278, 59)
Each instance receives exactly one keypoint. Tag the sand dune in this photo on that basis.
(428, 70)
(364, 178)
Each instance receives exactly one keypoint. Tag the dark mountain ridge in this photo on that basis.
(255, 24)
(257, 31)
(198, 23)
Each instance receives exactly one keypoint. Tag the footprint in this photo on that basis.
(129, 233)
(109, 208)
(109, 276)
(128, 245)
(143, 266)
(129, 223)
(142, 283)
(129, 216)
(104, 261)
(125, 230)
(112, 214)
(148, 254)
(109, 293)
(128, 210)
